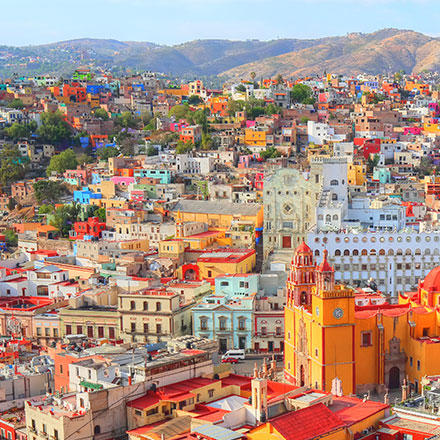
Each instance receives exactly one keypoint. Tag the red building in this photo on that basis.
(93, 227)
(10, 422)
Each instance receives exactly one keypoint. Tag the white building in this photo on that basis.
(194, 165)
(320, 133)
(394, 261)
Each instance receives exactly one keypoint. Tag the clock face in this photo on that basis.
(317, 311)
(338, 313)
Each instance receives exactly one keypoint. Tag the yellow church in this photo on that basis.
(369, 347)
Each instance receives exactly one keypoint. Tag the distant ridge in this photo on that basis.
(378, 52)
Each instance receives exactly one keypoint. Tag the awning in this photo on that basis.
(93, 386)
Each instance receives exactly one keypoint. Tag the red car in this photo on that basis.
(230, 361)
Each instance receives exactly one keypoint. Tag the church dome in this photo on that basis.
(431, 283)
(302, 248)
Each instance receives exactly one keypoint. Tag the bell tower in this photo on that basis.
(301, 277)
(325, 275)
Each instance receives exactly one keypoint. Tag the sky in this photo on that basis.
(177, 21)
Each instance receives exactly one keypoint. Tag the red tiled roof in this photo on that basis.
(307, 423)
(352, 410)
(143, 402)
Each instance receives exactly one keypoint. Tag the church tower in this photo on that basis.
(301, 277)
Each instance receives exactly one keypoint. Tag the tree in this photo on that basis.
(127, 146)
(270, 153)
(106, 152)
(207, 142)
(127, 120)
(184, 147)
(279, 79)
(59, 163)
(84, 159)
(302, 94)
(151, 151)
(45, 209)
(13, 166)
(273, 109)
(11, 238)
(64, 217)
(48, 191)
(372, 162)
(180, 111)
(240, 88)
(12, 203)
(18, 131)
(17, 104)
(101, 114)
(54, 128)
(234, 107)
(194, 100)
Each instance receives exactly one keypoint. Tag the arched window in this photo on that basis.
(399, 252)
(158, 306)
(382, 252)
(145, 305)
(364, 252)
(334, 182)
(346, 253)
(335, 217)
(373, 252)
(334, 196)
(337, 253)
(408, 252)
(390, 252)
(320, 217)
(418, 252)
(132, 305)
(97, 429)
(328, 218)
(355, 252)
(427, 252)
(316, 253)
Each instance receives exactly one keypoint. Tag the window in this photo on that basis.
(203, 324)
(366, 339)
(410, 361)
(153, 411)
(158, 306)
(278, 331)
(68, 329)
(263, 331)
(211, 393)
(145, 305)
(242, 324)
(418, 365)
(222, 323)
(97, 429)
(137, 412)
(287, 225)
(55, 333)
(158, 329)
(38, 331)
(100, 332)
(47, 331)
(146, 329)
(334, 182)
(133, 327)
(426, 331)
(90, 331)
(132, 305)
(61, 369)
(111, 333)
(209, 273)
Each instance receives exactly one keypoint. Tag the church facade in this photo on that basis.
(373, 346)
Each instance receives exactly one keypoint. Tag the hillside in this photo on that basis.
(381, 51)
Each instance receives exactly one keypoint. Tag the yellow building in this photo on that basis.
(218, 215)
(368, 347)
(217, 262)
(356, 174)
(255, 138)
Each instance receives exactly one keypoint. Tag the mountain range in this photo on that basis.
(387, 50)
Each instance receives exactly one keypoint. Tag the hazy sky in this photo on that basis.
(174, 21)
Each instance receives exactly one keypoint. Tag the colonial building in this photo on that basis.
(368, 346)
(153, 315)
(289, 210)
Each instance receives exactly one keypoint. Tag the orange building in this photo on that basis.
(255, 137)
(368, 347)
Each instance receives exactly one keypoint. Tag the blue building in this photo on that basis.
(84, 196)
(228, 320)
(163, 175)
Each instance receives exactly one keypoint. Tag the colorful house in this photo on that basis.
(93, 227)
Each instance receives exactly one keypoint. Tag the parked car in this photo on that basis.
(230, 360)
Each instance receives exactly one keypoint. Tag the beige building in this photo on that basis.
(47, 328)
(152, 315)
